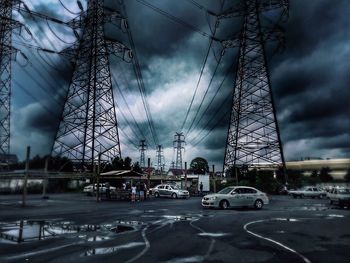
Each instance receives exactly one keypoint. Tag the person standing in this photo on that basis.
(201, 188)
(133, 193)
(142, 192)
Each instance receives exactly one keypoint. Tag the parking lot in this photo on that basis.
(75, 228)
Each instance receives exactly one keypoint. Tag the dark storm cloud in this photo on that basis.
(309, 78)
(41, 120)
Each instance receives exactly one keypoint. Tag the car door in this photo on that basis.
(236, 197)
(167, 190)
(250, 195)
(160, 190)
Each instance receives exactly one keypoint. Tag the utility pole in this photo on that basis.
(142, 149)
(160, 158)
(89, 124)
(214, 179)
(179, 141)
(253, 138)
(25, 181)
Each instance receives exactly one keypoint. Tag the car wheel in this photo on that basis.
(294, 196)
(174, 195)
(224, 204)
(258, 204)
(331, 201)
(156, 194)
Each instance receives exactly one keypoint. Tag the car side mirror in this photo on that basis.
(233, 193)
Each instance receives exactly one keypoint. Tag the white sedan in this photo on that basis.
(167, 190)
(236, 196)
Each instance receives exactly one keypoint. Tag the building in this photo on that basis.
(338, 167)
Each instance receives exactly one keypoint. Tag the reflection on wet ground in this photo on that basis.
(30, 230)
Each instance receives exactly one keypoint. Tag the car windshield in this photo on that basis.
(175, 187)
(344, 191)
(225, 190)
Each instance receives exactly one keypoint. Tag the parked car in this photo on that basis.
(308, 191)
(339, 196)
(236, 196)
(92, 188)
(167, 190)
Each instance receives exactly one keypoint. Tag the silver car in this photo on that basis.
(167, 190)
(340, 196)
(236, 196)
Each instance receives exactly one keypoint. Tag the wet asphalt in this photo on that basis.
(75, 228)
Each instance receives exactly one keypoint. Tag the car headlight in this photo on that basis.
(212, 198)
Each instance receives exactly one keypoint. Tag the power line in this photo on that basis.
(174, 18)
(30, 94)
(206, 126)
(205, 94)
(137, 70)
(201, 73)
(127, 106)
(216, 93)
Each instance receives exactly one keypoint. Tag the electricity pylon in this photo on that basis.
(160, 159)
(7, 24)
(253, 138)
(142, 148)
(179, 141)
(89, 126)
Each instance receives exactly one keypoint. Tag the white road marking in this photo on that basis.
(271, 240)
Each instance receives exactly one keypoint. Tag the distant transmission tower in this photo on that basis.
(89, 125)
(160, 159)
(253, 138)
(142, 148)
(7, 24)
(179, 141)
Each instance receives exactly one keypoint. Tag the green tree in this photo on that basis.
(199, 165)
(325, 175)
(266, 182)
(137, 167)
(313, 178)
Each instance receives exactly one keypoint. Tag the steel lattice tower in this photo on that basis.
(253, 138)
(179, 140)
(7, 24)
(89, 125)
(142, 148)
(160, 158)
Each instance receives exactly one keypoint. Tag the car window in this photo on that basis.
(315, 189)
(167, 187)
(160, 187)
(250, 191)
(240, 190)
(225, 190)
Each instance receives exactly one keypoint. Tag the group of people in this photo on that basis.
(140, 190)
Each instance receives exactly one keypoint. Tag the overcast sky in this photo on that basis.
(310, 79)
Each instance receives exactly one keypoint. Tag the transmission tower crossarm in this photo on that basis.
(240, 8)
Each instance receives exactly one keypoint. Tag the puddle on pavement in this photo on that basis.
(180, 217)
(121, 228)
(205, 234)
(108, 250)
(335, 216)
(30, 230)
